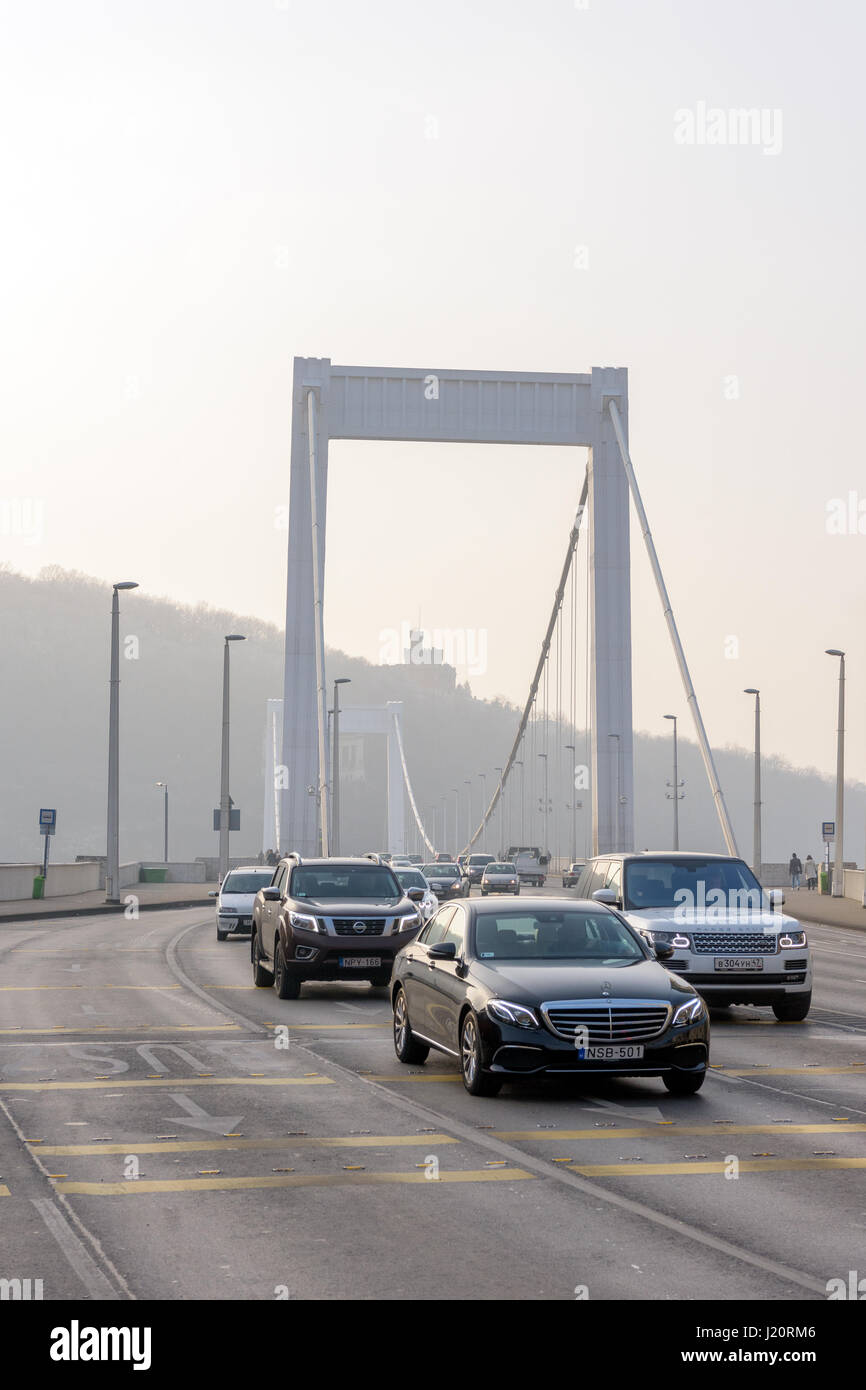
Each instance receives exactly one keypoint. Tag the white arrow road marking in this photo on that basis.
(199, 1118)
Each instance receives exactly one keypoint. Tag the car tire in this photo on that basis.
(287, 985)
(222, 935)
(684, 1083)
(517, 892)
(793, 1010)
(476, 1081)
(406, 1046)
(262, 978)
(382, 980)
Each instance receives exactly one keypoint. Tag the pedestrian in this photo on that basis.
(810, 870)
(795, 869)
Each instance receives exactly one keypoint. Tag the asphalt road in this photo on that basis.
(168, 1131)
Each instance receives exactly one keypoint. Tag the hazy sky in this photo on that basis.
(197, 191)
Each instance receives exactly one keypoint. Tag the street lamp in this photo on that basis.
(518, 762)
(225, 799)
(499, 806)
(468, 781)
(456, 792)
(164, 786)
(676, 787)
(756, 835)
(838, 867)
(571, 749)
(335, 759)
(483, 776)
(545, 847)
(112, 857)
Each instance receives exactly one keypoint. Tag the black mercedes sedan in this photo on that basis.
(549, 987)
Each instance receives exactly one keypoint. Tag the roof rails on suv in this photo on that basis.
(376, 858)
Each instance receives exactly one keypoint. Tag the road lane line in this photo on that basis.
(145, 1186)
(289, 1141)
(669, 1131)
(789, 1071)
(136, 1028)
(745, 1165)
(166, 1082)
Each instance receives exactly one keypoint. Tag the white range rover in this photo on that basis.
(720, 927)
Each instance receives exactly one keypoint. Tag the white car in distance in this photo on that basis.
(411, 877)
(236, 895)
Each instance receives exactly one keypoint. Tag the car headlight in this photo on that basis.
(792, 938)
(517, 1014)
(303, 920)
(671, 938)
(689, 1012)
(409, 922)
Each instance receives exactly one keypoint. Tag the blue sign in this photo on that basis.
(47, 821)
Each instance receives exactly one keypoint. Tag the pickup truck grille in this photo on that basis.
(742, 943)
(346, 926)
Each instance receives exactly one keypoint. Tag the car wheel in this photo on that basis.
(477, 1082)
(288, 986)
(684, 1083)
(405, 1045)
(517, 892)
(221, 935)
(793, 1010)
(262, 978)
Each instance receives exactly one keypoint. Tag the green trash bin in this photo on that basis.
(39, 886)
(153, 875)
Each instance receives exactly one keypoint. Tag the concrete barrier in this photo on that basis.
(16, 880)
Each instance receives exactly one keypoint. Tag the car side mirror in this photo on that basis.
(271, 895)
(415, 895)
(214, 893)
(606, 895)
(663, 952)
(445, 950)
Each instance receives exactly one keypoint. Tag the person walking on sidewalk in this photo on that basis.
(795, 869)
(810, 871)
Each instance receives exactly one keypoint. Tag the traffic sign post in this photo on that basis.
(828, 834)
(47, 827)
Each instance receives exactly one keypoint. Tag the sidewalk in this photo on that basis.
(150, 897)
(831, 912)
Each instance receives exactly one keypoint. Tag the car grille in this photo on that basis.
(607, 1021)
(345, 926)
(742, 943)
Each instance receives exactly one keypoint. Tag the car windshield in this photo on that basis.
(246, 882)
(479, 859)
(689, 882)
(558, 934)
(349, 881)
(440, 870)
(499, 869)
(411, 878)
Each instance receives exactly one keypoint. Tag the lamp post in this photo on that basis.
(676, 787)
(756, 833)
(335, 759)
(225, 799)
(483, 776)
(518, 762)
(499, 806)
(112, 856)
(571, 748)
(456, 821)
(468, 781)
(838, 867)
(545, 849)
(164, 786)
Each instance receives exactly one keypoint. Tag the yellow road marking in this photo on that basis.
(431, 1076)
(325, 1027)
(136, 1028)
(4, 1191)
(790, 1071)
(176, 1083)
(27, 989)
(748, 1165)
(655, 1132)
(349, 1141)
(142, 1186)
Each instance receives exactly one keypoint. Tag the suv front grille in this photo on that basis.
(345, 926)
(743, 943)
(616, 1020)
